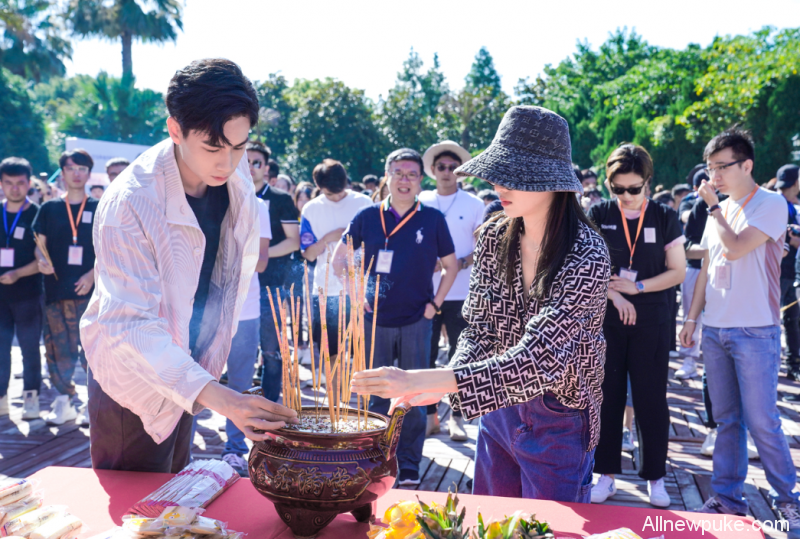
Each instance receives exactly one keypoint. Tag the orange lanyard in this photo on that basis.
(632, 248)
(75, 224)
(400, 224)
(725, 214)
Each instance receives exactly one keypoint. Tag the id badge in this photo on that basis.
(75, 255)
(649, 235)
(384, 264)
(19, 233)
(722, 277)
(6, 258)
(629, 274)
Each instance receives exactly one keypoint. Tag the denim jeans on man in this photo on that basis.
(25, 316)
(411, 346)
(270, 347)
(742, 366)
(241, 365)
(535, 450)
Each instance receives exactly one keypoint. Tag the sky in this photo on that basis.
(364, 43)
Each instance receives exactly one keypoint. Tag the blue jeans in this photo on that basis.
(411, 346)
(742, 365)
(270, 348)
(241, 365)
(536, 450)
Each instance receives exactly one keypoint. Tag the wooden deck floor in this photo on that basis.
(28, 446)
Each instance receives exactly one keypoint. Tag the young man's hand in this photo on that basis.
(9, 277)
(44, 267)
(686, 333)
(85, 283)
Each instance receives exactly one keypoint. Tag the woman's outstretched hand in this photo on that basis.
(386, 382)
(416, 399)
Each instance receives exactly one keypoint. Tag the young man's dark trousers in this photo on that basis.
(25, 318)
(454, 324)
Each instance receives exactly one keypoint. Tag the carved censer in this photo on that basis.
(313, 476)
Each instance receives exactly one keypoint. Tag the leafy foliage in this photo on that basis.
(31, 39)
(274, 115)
(22, 131)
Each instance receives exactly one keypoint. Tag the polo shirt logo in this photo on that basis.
(608, 227)
(419, 236)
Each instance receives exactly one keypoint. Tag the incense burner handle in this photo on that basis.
(391, 436)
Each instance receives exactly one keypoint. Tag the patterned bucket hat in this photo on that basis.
(530, 152)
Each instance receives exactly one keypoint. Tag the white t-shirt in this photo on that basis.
(464, 214)
(753, 298)
(252, 305)
(321, 216)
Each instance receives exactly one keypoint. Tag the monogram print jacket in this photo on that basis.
(516, 350)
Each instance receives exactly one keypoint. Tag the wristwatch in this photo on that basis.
(640, 287)
(713, 208)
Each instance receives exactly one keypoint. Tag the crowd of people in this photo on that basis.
(546, 295)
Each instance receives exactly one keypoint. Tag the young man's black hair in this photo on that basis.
(273, 169)
(330, 175)
(117, 161)
(488, 194)
(737, 139)
(681, 189)
(578, 173)
(260, 147)
(79, 156)
(208, 93)
(15, 166)
(447, 153)
(370, 178)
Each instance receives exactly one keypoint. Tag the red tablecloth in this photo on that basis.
(100, 498)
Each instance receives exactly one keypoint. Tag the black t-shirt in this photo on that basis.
(788, 261)
(52, 221)
(209, 211)
(660, 228)
(281, 210)
(21, 240)
(696, 225)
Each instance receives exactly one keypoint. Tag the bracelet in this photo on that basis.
(690, 320)
(436, 307)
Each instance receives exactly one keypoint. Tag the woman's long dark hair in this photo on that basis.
(560, 232)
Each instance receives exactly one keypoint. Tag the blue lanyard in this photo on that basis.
(16, 220)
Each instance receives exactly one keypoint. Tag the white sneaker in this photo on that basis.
(627, 443)
(456, 426)
(752, 451)
(4, 405)
(687, 370)
(83, 416)
(62, 411)
(674, 354)
(30, 407)
(658, 493)
(707, 448)
(304, 354)
(605, 488)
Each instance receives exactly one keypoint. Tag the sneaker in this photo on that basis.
(456, 426)
(238, 463)
(305, 356)
(687, 370)
(433, 426)
(83, 416)
(673, 354)
(707, 448)
(715, 507)
(791, 514)
(62, 411)
(4, 405)
(605, 488)
(752, 450)
(627, 443)
(658, 493)
(408, 478)
(30, 407)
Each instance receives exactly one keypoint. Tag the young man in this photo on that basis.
(177, 245)
(740, 290)
(370, 182)
(789, 187)
(406, 239)
(20, 286)
(115, 166)
(285, 227)
(64, 224)
(97, 191)
(464, 215)
(324, 220)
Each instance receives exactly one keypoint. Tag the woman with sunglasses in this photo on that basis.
(645, 242)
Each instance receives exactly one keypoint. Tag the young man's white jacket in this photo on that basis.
(149, 251)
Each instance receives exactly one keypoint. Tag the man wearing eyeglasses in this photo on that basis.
(64, 225)
(404, 238)
(740, 291)
(464, 214)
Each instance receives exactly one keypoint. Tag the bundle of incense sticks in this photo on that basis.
(351, 341)
(43, 248)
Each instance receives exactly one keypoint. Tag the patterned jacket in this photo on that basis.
(512, 353)
(149, 253)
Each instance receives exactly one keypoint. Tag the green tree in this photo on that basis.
(154, 21)
(32, 43)
(274, 115)
(22, 130)
(331, 120)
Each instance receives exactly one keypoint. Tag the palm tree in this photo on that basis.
(31, 39)
(126, 20)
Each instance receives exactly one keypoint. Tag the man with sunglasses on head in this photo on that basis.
(464, 215)
(64, 226)
(739, 288)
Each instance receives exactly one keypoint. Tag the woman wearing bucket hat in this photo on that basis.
(531, 361)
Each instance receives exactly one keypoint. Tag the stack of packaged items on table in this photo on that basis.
(173, 523)
(23, 515)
